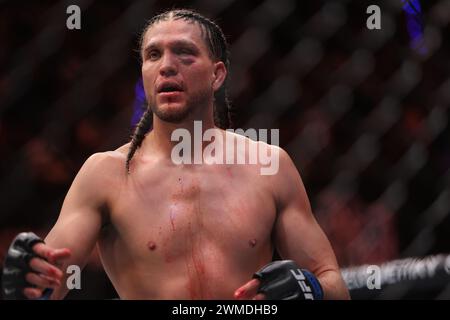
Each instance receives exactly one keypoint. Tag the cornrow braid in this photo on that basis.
(141, 129)
(218, 49)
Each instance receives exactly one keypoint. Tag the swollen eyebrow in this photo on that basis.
(185, 45)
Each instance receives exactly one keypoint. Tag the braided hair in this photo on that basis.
(218, 50)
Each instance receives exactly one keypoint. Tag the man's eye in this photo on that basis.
(185, 51)
(153, 55)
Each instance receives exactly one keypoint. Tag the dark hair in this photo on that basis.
(218, 49)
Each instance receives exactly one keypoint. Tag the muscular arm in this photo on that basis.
(81, 216)
(297, 234)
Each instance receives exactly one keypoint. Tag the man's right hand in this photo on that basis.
(30, 267)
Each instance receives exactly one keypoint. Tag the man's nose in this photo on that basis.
(168, 66)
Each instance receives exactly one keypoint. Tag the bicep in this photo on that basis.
(299, 237)
(80, 218)
(297, 234)
(77, 228)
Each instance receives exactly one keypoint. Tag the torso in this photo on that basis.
(186, 232)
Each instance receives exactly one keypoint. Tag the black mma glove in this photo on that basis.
(284, 280)
(17, 265)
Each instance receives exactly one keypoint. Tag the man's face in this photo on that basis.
(178, 73)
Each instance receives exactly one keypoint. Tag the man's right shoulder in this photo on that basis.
(102, 174)
(106, 163)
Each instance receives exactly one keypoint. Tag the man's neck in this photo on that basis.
(160, 139)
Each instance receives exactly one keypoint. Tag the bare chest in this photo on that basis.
(218, 211)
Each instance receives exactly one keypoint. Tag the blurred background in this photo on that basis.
(363, 113)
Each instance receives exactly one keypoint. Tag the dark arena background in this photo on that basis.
(363, 112)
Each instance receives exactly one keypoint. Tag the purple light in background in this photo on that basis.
(140, 103)
(414, 24)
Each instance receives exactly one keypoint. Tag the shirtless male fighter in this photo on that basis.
(181, 231)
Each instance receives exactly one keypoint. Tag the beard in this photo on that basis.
(178, 115)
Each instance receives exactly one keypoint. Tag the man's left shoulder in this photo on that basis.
(281, 156)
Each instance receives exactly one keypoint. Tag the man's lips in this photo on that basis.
(170, 94)
(169, 90)
(169, 86)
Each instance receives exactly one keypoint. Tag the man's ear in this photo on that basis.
(219, 75)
